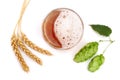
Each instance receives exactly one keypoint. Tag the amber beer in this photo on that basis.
(63, 28)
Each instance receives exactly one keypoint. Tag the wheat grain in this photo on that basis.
(18, 54)
(34, 46)
(28, 52)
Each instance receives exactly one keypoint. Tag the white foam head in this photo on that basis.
(68, 28)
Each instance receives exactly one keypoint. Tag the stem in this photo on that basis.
(17, 30)
(107, 46)
(110, 40)
(104, 40)
(24, 6)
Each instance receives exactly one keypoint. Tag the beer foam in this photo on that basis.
(68, 28)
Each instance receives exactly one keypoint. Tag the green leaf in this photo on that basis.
(102, 29)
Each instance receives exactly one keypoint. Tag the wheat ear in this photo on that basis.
(34, 46)
(28, 52)
(18, 54)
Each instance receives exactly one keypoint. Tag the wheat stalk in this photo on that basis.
(18, 54)
(34, 46)
(19, 40)
(28, 52)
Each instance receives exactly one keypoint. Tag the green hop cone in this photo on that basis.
(96, 62)
(86, 52)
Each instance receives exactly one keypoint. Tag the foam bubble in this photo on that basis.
(68, 28)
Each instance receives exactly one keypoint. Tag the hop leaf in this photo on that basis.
(102, 29)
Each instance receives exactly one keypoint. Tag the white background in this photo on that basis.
(60, 66)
